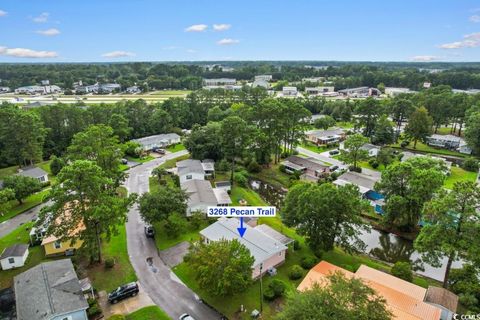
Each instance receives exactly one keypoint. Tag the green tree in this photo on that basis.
(119, 124)
(157, 205)
(175, 224)
(383, 133)
(204, 142)
(353, 152)
(86, 195)
(56, 165)
(464, 282)
(235, 137)
(344, 298)
(368, 111)
(385, 156)
(6, 195)
(159, 172)
(472, 132)
(403, 270)
(324, 122)
(22, 186)
(419, 126)
(326, 215)
(222, 267)
(100, 145)
(452, 229)
(401, 110)
(407, 186)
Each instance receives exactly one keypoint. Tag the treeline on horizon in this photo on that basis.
(189, 75)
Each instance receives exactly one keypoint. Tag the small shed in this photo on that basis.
(446, 300)
(14, 256)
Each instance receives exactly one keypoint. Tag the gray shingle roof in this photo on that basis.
(274, 234)
(363, 181)
(260, 245)
(33, 172)
(199, 191)
(47, 290)
(190, 166)
(17, 250)
(156, 139)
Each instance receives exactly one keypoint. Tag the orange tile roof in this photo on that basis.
(404, 300)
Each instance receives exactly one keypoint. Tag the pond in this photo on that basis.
(381, 245)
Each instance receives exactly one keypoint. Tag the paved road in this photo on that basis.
(161, 284)
(11, 224)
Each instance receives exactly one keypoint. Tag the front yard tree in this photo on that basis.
(222, 268)
(97, 143)
(419, 126)
(452, 230)
(22, 186)
(6, 195)
(159, 172)
(324, 122)
(384, 133)
(353, 152)
(401, 110)
(368, 111)
(158, 205)
(204, 142)
(235, 137)
(326, 215)
(407, 186)
(472, 131)
(343, 298)
(85, 194)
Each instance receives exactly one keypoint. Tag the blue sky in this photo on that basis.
(158, 30)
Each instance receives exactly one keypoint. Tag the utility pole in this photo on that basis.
(261, 289)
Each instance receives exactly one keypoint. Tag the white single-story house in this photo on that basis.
(14, 256)
(158, 141)
(201, 195)
(219, 81)
(264, 77)
(191, 169)
(392, 92)
(261, 83)
(449, 141)
(326, 137)
(268, 252)
(371, 149)
(34, 172)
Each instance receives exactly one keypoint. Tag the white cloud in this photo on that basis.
(170, 48)
(425, 58)
(191, 50)
(26, 53)
(49, 32)
(475, 18)
(3, 13)
(118, 54)
(221, 27)
(42, 18)
(471, 40)
(196, 28)
(227, 41)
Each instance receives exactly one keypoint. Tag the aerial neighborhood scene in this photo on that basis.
(206, 160)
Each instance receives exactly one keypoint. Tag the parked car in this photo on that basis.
(124, 161)
(333, 168)
(149, 231)
(334, 152)
(159, 150)
(123, 292)
(185, 316)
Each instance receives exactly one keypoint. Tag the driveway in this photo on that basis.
(11, 224)
(157, 279)
(174, 256)
(126, 306)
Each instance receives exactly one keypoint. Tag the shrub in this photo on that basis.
(470, 164)
(56, 165)
(402, 270)
(308, 262)
(404, 144)
(254, 167)
(355, 169)
(282, 168)
(174, 225)
(133, 149)
(374, 164)
(196, 219)
(268, 294)
(296, 246)
(109, 263)
(223, 165)
(278, 287)
(117, 317)
(240, 179)
(295, 272)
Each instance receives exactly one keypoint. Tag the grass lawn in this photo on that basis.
(428, 149)
(171, 163)
(30, 202)
(164, 242)
(318, 149)
(121, 273)
(273, 176)
(140, 160)
(148, 313)
(252, 198)
(176, 147)
(458, 174)
(170, 92)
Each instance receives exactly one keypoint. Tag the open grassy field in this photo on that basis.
(458, 174)
(123, 272)
(148, 313)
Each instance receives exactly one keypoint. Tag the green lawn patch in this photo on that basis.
(273, 176)
(140, 160)
(8, 171)
(148, 313)
(171, 163)
(318, 149)
(163, 241)
(252, 198)
(121, 273)
(459, 174)
(176, 147)
(30, 202)
(421, 147)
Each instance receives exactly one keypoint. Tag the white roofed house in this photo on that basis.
(449, 141)
(261, 83)
(372, 150)
(201, 195)
(192, 169)
(264, 77)
(267, 248)
(289, 92)
(158, 141)
(219, 82)
(14, 256)
(326, 137)
(34, 172)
